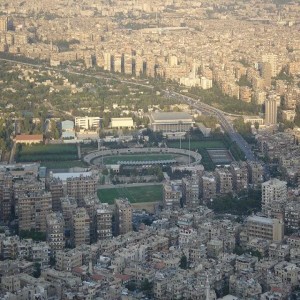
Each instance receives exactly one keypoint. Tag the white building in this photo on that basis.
(271, 111)
(87, 122)
(171, 121)
(122, 123)
(274, 191)
(272, 60)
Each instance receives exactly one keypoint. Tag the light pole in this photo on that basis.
(180, 133)
(189, 147)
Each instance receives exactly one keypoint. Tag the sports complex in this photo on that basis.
(143, 156)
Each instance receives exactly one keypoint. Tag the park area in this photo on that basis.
(51, 156)
(135, 194)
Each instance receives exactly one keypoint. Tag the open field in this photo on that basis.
(137, 194)
(137, 157)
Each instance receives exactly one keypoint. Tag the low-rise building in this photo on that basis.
(68, 259)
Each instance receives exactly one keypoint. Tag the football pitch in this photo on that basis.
(138, 194)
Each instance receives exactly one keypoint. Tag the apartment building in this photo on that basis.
(274, 192)
(292, 215)
(256, 173)
(265, 228)
(55, 231)
(67, 260)
(171, 196)
(239, 175)
(224, 181)
(104, 222)
(123, 216)
(55, 187)
(271, 111)
(190, 191)
(79, 187)
(6, 196)
(80, 232)
(33, 207)
(208, 186)
(68, 205)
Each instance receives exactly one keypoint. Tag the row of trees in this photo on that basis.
(243, 204)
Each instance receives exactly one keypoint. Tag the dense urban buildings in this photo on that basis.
(149, 149)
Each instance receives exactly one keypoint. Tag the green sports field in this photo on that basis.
(66, 164)
(32, 153)
(139, 194)
(56, 156)
(137, 157)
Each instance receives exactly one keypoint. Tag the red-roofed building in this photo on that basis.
(29, 139)
(97, 277)
(124, 278)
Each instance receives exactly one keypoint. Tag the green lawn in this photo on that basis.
(136, 157)
(138, 194)
(67, 164)
(47, 153)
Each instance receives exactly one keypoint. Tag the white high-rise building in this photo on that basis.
(271, 112)
(274, 192)
(272, 60)
(3, 23)
(107, 61)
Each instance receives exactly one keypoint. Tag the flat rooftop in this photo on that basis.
(171, 116)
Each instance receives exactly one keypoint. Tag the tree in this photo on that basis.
(37, 270)
(146, 286)
(131, 286)
(105, 172)
(183, 262)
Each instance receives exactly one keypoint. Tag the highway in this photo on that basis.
(220, 115)
(197, 104)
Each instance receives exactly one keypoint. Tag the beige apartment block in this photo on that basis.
(67, 260)
(55, 231)
(79, 187)
(33, 207)
(208, 185)
(80, 233)
(171, 196)
(190, 191)
(274, 192)
(56, 188)
(104, 222)
(123, 216)
(266, 228)
(224, 181)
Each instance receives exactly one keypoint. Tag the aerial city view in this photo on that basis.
(149, 149)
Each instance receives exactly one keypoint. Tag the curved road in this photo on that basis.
(220, 115)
